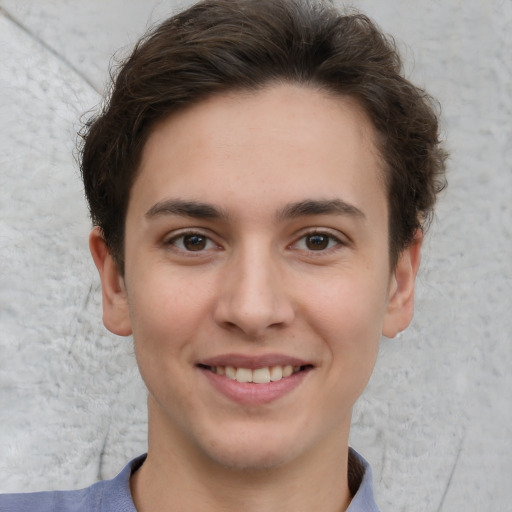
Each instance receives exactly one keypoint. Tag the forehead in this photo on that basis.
(268, 147)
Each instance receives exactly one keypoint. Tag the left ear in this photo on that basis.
(400, 308)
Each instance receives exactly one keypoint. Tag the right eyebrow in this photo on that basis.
(310, 207)
(194, 209)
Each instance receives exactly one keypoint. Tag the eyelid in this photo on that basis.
(172, 237)
(334, 235)
(339, 238)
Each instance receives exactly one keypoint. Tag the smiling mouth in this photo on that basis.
(258, 375)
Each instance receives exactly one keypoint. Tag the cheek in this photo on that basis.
(348, 316)
(167, 296)
(350, 305)
(166, 316)
(166, 310)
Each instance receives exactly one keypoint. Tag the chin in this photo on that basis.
(252, 453)
(253, 461)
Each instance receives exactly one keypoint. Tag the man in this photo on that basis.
(259, 180)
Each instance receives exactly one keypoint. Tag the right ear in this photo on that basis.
(116, 315)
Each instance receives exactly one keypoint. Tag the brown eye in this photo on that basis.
(317, 242)
(194, 242)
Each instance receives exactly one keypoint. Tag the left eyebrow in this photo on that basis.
(194, 209)
(319, 207)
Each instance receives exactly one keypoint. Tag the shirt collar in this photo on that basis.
(360, 484)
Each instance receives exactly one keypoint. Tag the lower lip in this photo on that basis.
(249, 393)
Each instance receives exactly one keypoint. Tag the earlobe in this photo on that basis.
(400, 307)
(115, 303)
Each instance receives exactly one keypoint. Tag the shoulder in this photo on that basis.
(52, 501)
(105, 496)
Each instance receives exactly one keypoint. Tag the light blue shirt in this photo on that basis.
(114, 495)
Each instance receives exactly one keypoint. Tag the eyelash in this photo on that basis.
(184, 234)
(332, 241)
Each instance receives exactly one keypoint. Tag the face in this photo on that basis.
(257, 281)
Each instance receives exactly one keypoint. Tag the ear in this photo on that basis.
(115, 303)
(400, 307)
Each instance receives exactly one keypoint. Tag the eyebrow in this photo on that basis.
(193, 209)
(307, 207)
(319, 207)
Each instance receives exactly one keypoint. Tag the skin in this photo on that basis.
(257, 286)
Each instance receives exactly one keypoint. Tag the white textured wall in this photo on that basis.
(436, 420)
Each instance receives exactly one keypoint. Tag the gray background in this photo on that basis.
(436, 419)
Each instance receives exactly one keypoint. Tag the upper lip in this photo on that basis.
(253, 362)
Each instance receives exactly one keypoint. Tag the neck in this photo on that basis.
(177, 477)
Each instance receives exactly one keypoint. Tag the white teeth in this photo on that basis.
(287, 370)
(276, 373)
(259, 375)
(243, 375)
(230, 372)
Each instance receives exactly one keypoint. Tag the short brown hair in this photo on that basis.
(221, 45)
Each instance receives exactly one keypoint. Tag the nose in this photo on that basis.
(253, 296)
